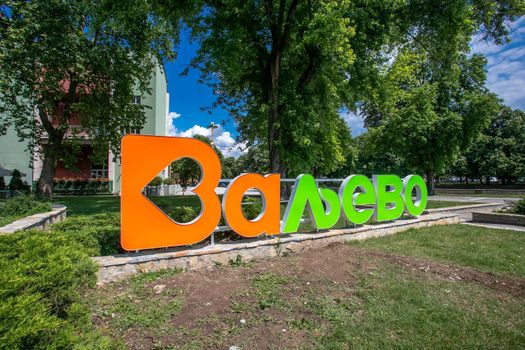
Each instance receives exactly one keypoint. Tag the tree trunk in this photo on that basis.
(429, 174)
(45, 182)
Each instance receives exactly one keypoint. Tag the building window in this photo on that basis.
(132, 130)
(136, 100)
(99, 173)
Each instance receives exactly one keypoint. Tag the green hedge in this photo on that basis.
(42, 276)
(81, 186)
(15, 208)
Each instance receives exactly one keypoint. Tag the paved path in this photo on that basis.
(459, 198)
(496, 226)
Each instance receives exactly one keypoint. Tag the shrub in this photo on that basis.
(23, 206)
(16, 183)
(92, 186)
(169, 181)
(42, 274)
(157, 181)
(183, 214)
(252, 209)
(100, 233)
(518, 207)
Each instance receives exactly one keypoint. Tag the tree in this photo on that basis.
(83, 60)
(500, 149)
(229, 168)
(284, 69)
(375, 157)
(188, 170)
(428, 113)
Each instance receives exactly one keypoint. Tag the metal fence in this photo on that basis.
(287, 186)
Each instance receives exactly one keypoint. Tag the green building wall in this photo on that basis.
(156, 118)
(14, 155)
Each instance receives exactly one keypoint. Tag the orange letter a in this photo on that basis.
(269, 220)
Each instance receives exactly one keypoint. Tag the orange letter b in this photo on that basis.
(144, 226)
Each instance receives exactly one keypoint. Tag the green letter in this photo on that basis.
(305, 192)
(350, 199)
(384, 197)
(409, 183)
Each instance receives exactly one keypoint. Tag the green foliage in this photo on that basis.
(23, 205)
(229, 168)
(169, 181)
(157, 181)
(187, 170)
(283, 77)
(85, 61)
(99, 232)
(286, 69)
(183, 214)
(428, 113)
(252, 208)
(15, 208)
(42, 274)
(518, 207)
(499, 151)
(84, 187)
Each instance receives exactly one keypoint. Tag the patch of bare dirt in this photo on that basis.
(222, 309)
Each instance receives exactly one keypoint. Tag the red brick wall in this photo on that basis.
(82, 168)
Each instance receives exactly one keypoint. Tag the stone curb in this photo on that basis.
(38, 221)
(499, 218)
(115, 268)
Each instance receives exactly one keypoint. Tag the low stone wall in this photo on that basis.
(114, 268)
(499, 218)
(38, 221)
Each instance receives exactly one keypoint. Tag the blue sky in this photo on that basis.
(505, 77)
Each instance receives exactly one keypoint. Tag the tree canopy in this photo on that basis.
(285, 69)
(81, 61)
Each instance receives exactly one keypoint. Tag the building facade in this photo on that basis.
(14, 153)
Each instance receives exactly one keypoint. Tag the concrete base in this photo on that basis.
(38, 221)
(114, 268)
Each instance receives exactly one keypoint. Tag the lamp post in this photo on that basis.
(213, 126)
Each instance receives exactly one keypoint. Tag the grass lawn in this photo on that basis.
(343, 296)
(446, 204)
(497, 251)
(89, 205)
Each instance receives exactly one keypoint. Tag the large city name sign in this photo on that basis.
(145, 226)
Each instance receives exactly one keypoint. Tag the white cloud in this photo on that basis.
(354, 121)
(171, 125)
(506, 65)
(223, 139)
